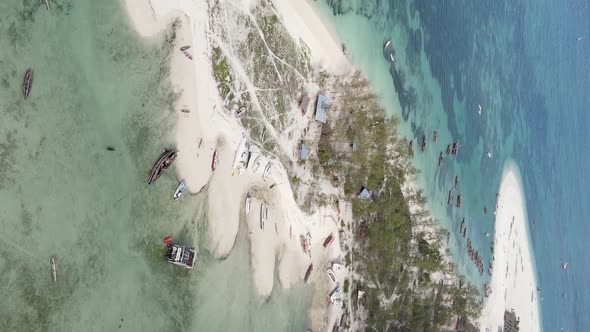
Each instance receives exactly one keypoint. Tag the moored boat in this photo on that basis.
(423, 147)
(266, 171)
(308, 272)
(180, 189)
(182, 256)
(262, 216)
(162, 165)
(411, 148)
(242, 157)
(256, 165)
(450, 197)
(328, 240)
(53, 271)
(459, 200)
(440, 159)
(184, 48)
(28, 82)
(248, 203)
(435, 136)
(214, 160)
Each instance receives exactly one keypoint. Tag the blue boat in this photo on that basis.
(181, 189)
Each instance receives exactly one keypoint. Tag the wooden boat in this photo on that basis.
(449, 149)
(450, 197)
(184, 48)
(182, 256)
(266, 171)
(262, 216)
(53, 271)
(435, 136)
(456, 181)
(308, 272)
(248, 203)
(440, 159)
(411, 148)
(186, 54)
(162, 165)
(180, 189)
(256, 164)
(328, 240)
(423, 147)
(459, 200)
(214, 160)
(28, 82)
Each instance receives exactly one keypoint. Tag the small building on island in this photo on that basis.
(321, 108)
(364, 194)
(303, 151)
(303, 103)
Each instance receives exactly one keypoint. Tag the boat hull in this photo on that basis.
(27, 83)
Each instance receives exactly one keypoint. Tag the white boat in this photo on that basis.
(180, 189)
(564, 265)
(242, 156)
(262, 216)
(248, 203)
(331, 275)
(256, 165)
(182, 256)
(53, 271)
(391, 57)
(266, 171)
(387, 44)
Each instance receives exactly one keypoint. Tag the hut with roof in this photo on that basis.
(321, 108)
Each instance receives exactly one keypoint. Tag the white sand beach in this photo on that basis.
(513, 283)
(203, 126)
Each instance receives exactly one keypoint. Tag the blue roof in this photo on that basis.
(364, 194)
(320, 108)
(304, 152)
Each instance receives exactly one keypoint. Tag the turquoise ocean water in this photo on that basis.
(523, 63)
(97, 84)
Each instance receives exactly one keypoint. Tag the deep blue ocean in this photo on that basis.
(527, 63)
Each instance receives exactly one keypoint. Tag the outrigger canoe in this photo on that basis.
(28, 82)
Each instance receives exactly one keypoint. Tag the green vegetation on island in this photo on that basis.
(406, 283)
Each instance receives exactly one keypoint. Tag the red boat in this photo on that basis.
(308, 273)
(328, 240)
(28, 82)
(214, 160)
(168, 240)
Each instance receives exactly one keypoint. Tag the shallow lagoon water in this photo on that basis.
(96, 84)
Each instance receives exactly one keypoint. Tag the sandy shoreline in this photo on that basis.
(513, 282)
(204, 127)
